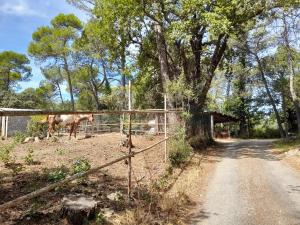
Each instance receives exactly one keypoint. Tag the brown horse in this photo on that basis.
(72, 121)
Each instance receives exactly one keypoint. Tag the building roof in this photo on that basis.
(222, 118)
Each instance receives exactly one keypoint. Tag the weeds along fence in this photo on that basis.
(130, 118)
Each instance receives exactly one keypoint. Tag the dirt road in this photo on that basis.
(250, 186)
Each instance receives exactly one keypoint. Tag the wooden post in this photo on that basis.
(156, 124)
(122, 119)
(3, 123)
(129, 159)
(6, 127)
(129, 96)
(212, 125)
(165, 124)
(129, 142)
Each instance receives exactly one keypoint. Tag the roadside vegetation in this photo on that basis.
(286, 145)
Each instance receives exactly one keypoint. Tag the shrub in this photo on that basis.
(29, 157)
(60, 151)
(265, 132)
(80, 166)
(100, 219)
(16, 168)
(19, 137)
(284, 145)
(179, 148)
(5, 152)
(36, 128)
(57, 174)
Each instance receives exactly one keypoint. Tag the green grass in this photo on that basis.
(282, 146)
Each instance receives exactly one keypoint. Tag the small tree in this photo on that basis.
(53, 44)
(14, 67)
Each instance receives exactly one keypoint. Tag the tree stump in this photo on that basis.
(78, 208)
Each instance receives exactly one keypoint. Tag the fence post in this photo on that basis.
(165, 128)
(121, 124)
(6, 127)
(129, 159)
(3, 123)
(129, 142)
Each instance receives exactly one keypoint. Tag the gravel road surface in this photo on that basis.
(250, 186)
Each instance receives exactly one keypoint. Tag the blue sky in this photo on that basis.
(20, 18)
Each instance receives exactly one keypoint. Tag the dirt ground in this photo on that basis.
(292, 158)
(53, 153)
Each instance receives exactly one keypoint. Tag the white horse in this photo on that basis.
(67, 120)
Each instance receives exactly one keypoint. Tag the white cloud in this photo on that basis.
(19, 8)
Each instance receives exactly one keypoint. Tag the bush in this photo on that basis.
(19, 137)
(60, 151)
(57, 174)
(36, 128)
(80, 166)
(29, 157)
(100, 219)
(180, 148)
(265, 132)
(5, 152)
(285, 145)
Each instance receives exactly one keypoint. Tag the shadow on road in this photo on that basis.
(240, 149)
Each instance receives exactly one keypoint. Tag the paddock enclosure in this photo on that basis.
(38, 174)
(28, 196)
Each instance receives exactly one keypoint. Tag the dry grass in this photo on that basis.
(172, 198)
(284, 145)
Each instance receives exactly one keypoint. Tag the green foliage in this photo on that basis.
(53, 44)
(29, 157)
(19, 137)
(185, 115)
(37, 126)
(100, 219)
(14, 67)
(179, 148)
(80, 166)
(179, 89)
(285, 145)
(16, 168)
(5, 152)
(56, 174)
(60, 151)
(265, 132)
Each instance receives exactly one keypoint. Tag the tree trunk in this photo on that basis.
(286, 127)
(281, 131)
(123, 67)
(60, 94)
(162, 54)
(243, 108)
(295, 100)
(94, 92)
(215, 60)
(66, 67)
(199, 127)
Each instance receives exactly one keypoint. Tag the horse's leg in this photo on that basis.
(75, 129)
(50, 128)
(71, 130)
